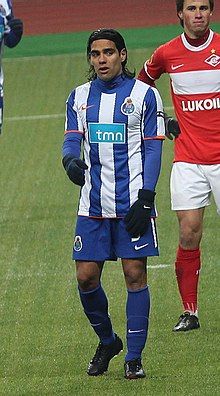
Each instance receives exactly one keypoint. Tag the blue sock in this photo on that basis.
(95, 306)
(137, 311)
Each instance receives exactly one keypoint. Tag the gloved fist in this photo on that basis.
(171, 127)
(75, 169)
(16, 25)
(139, 214)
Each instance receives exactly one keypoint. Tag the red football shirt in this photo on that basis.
(195, 87)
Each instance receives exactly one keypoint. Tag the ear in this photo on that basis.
(123, 54)
(180, 15)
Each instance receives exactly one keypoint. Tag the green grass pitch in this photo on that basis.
(45, 340)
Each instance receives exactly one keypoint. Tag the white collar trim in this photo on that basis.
(200, 47)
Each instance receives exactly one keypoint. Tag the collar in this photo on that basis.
(110, 85)
(198, 41)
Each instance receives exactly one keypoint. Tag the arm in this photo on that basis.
(151, 71)
(138, 218)
(73, 165)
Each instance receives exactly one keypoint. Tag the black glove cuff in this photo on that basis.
(66, 161)
(146, 195)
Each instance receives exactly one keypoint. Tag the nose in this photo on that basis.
(102, 58)
(198, 14)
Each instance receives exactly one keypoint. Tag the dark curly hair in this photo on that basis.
(112, 35)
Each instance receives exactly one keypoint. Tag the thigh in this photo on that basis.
(189, 186)
(92, 240)
(126, 247)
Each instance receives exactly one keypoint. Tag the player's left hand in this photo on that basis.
(139, 214)
(172, 128)
(16, 25)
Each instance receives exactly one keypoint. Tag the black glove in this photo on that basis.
(13, 37)
(16, 25)
(171, 127)
(75, 169)
(138, 217)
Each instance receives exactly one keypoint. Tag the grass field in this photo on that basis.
(46, 342)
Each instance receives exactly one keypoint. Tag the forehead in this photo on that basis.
(99, 45)
(197, 3)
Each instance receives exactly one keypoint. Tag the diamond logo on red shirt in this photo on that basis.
(213, 60)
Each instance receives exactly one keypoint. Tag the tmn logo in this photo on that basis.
(106, 133)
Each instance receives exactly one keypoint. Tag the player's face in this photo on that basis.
(106, 59)
(196, 17)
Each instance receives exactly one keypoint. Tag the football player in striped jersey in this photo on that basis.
(118, 123)
(193, 63)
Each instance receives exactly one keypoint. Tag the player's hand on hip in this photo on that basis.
(172, 128)
(138, 217)
(75, 169)
(16, 25)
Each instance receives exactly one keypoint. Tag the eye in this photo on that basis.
(94, 54)
(109, 52)
(191, 8)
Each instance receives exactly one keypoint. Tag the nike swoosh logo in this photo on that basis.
(95, 324)
(147, 207)
(135, 331)
(84, 107)
(177, 66)
(141, 246)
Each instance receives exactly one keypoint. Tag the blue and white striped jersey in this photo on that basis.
(116, 122)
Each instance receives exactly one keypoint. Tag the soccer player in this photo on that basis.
(11, 30)
(193, 63)
(118, 120)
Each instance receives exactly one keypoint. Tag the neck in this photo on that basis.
(196, 42)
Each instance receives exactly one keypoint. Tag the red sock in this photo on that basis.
(187, 267)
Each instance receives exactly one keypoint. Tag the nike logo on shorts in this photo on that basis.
(141, 246)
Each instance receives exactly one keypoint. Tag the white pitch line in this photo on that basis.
(34, 117)
(43, 274)
(159, 266)
(49, 116)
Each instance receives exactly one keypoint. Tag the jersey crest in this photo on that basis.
(213, 60)
(128, 107)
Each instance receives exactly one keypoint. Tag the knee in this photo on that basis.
(86, 281)
(190, 236)
(135, 279)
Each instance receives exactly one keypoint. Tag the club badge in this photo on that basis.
(77, 245)
(127, 107)
(213, 60)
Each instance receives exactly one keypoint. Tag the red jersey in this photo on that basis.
(195, 87)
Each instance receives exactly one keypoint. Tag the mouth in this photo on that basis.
(103, 70)
(198, 22)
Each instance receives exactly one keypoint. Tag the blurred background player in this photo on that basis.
(118, 121)
(193, 63)
(11, 30)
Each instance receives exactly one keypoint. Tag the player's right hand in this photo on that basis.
(172, 128)
(75, 169)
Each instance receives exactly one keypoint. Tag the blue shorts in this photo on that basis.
(107, 239)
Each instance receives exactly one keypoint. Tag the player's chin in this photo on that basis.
(104, 75)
